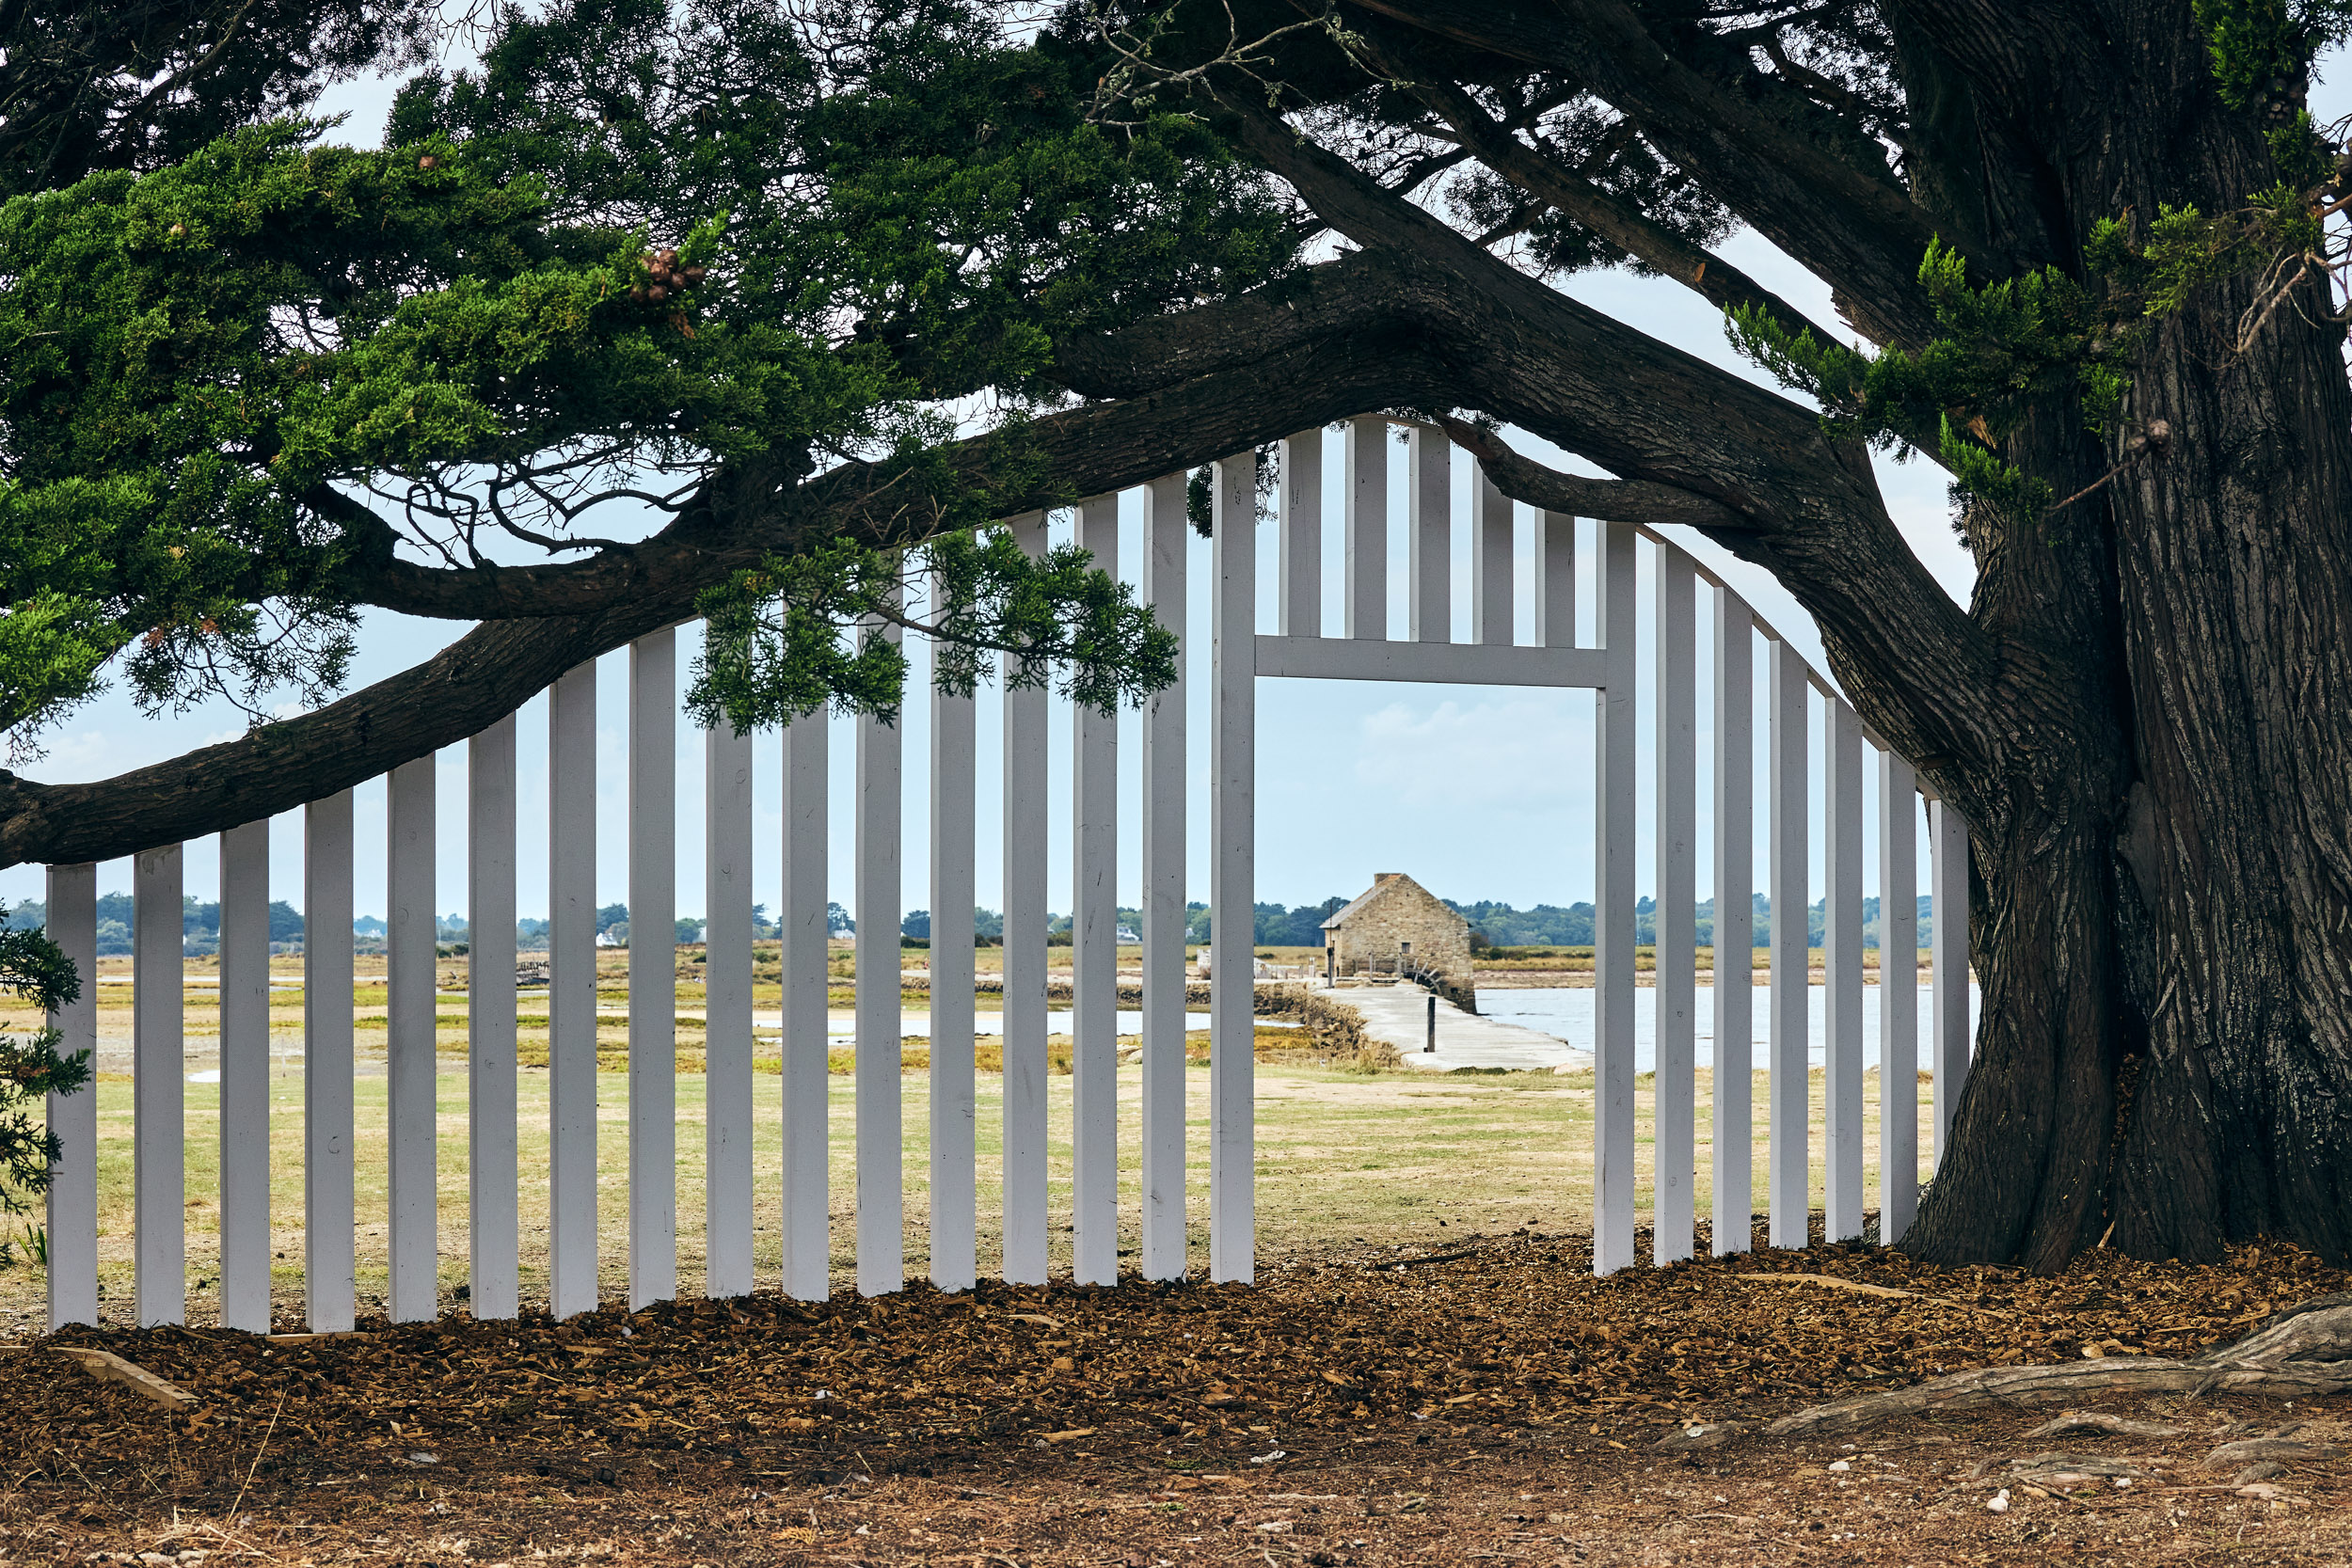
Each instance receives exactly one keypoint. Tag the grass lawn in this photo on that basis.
(1343, 1158)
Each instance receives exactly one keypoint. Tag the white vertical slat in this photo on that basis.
(1024, 959)
(493, 1156)
(1429, 535)
(1947, 844)
(1841, 942)
(955, 1261)
(1734, 924)
(1612, 915)
(1300, 601)
(653, 968)
(727, 1012)
(807, 1053)
(1094, 958)
(1366, 522)
(881, 1174)
(1898, 997)
(1677, 996)
(1490, 562)
(1787, 1160)
(1164, 983)
(328, 1197)
(409, 961)
(572, 1227)
(245, 1248)
(1232, 872)
(1555, 568)
(73, 1199)
(158, 1087)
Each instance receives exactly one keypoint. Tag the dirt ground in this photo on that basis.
(1470, 1399)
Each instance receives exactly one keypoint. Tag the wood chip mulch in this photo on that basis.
(1374, 1369)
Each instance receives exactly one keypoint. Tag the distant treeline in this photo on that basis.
(1301, 925)
(1563, 926)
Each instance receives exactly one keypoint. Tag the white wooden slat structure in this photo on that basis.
(410, 960)
(1899, 993)
(730, 1203)
(493, 1145)
(1733, 1133)
(1232, 868)
(652, 968)
(1024, 1047)
(807, 1175)
(245, 1237)
(71, 1210)
(1614, 963)
(572, 1284)
(1789, 1164)
(1165, 532)
(955, 1097)
(1493, 643)
(329, 1178)
(1094, 958)
(1673, 1226)
(881, 1166)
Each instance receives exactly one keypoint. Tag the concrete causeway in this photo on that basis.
(1398, 1014)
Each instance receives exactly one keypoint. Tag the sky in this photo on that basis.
(1478, 793)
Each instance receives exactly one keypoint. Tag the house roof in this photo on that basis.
(1382, 882)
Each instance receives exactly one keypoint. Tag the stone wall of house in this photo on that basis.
(1405, 912)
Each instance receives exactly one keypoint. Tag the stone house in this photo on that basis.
(1397, 924)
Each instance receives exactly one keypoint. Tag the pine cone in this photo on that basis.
(657, 293)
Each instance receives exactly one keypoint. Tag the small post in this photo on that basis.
(1430, 1041)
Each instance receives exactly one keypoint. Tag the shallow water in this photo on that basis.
(1566, 1012)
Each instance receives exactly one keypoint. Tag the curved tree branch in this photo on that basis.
(1859, 233)
(1614, 219)
(1918, 670)
(744, 514)
(1616, 500)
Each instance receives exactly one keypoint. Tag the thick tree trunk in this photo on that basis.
(2161, 933)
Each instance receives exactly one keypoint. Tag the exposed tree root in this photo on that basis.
(2306, 1350)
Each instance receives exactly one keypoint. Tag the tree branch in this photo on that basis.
(1918, 670)
(1862, 235)
(1614, 219)
(376, 575)
(1353, 365)
(1616, 500)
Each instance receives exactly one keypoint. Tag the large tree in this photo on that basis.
(2081, 250)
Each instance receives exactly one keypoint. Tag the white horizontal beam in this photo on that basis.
(1459, 664)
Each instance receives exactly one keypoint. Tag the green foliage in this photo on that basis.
(33, 967)
(139, 84)
(2261, 48)
(233, 387)
(2002, 349)
(808, 631)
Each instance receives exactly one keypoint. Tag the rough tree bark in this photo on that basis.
(2143, 713)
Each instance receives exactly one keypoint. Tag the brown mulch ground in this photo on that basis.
(1500, 1405)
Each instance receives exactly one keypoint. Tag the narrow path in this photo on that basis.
(1400, 1015)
